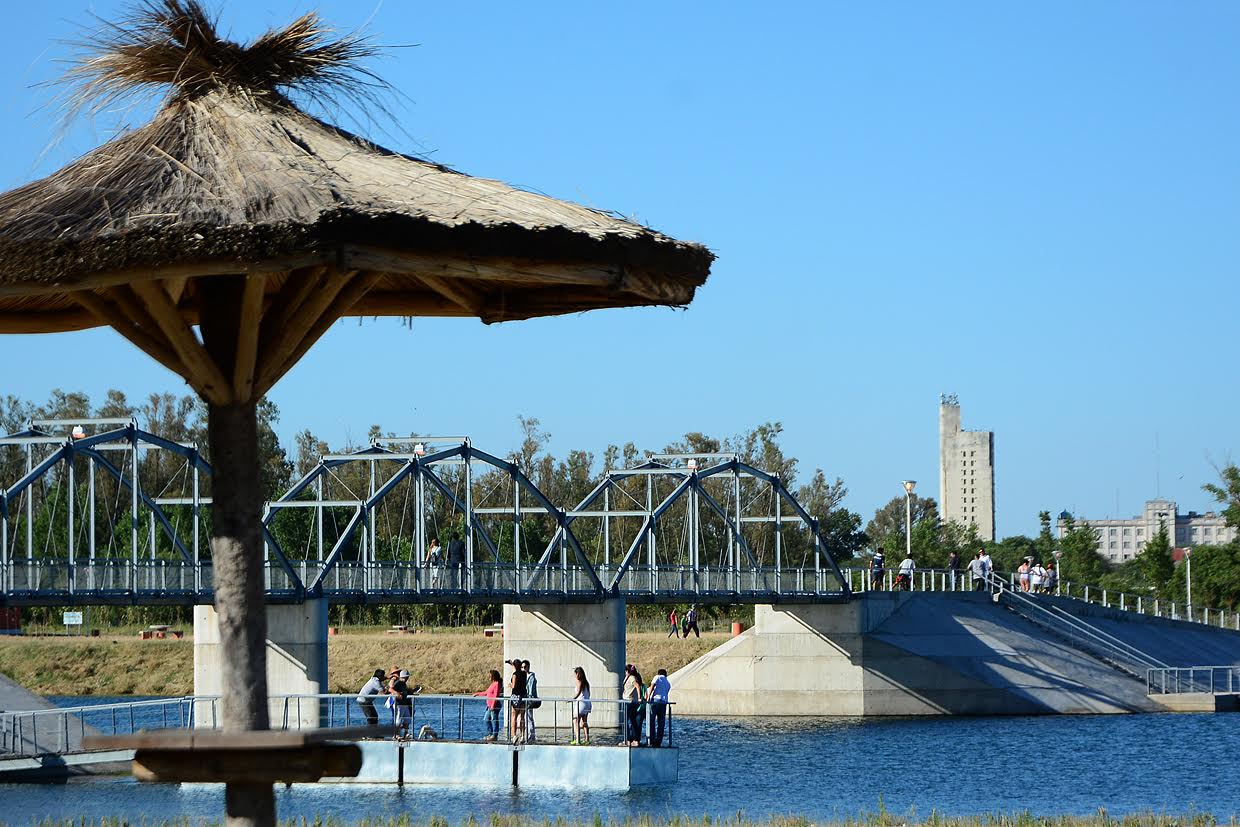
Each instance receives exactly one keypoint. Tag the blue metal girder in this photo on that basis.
(158, 512)
(727, 519)
(647, 525)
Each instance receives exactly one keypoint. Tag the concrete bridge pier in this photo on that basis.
(296, 661)
(555, 638)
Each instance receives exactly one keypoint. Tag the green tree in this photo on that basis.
(1228, 493)
(886, 528)
(1081, 562)
(1155, 562)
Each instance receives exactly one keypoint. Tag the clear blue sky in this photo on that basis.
(1034, 206)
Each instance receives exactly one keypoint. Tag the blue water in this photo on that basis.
(820, 767)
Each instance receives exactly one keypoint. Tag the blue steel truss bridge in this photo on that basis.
(101, 512)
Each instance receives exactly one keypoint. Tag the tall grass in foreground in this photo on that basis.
(880, 818)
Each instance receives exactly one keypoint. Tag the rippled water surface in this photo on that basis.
(820, 767)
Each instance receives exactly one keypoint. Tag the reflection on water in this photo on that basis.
(821, 767)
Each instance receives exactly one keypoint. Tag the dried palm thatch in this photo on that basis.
(231, 178)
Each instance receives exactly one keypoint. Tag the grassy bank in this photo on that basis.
(877, 819)
(443, 661)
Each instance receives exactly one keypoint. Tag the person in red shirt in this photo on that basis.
(674, 622)
(491, 693)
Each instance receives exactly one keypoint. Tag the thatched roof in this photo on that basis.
(230, 177)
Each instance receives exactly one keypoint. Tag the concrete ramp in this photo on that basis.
(929, 653)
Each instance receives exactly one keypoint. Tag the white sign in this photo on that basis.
(73, 618)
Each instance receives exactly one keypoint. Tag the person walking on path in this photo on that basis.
(1050, 583)
(1037, 577)
(531, 691)
(1023, 574)
(674, 622)
(977, 572)
(366, 698)
(953, 568)
(516, 708)
(905, 577)
(581, 708)
(987, 564)
(877, 571)
(660, 691)
(634, 693)
(691, 622)
(491, 693)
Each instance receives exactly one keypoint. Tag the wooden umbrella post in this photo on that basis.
(237, 543)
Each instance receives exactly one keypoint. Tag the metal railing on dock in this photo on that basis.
(432, 717)
(1210, 680)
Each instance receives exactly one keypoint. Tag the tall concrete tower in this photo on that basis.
(966, 471)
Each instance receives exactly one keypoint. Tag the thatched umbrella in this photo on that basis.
(234, 211)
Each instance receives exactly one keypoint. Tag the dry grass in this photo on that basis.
(443, 661)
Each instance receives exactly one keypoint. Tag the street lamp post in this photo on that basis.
(1059, 569)
(1188, 576)
(908, 517)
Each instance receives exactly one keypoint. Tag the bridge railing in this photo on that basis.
(46, 731)
(1212, 680)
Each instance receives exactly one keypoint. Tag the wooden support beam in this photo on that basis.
(50, 321)
(109, 314)
(345, 300)
(456, 290)
(277, 343)
(381, 302)
(251, 315)
(205, 373)
(296, 288)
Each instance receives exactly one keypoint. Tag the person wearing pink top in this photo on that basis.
(491, 693)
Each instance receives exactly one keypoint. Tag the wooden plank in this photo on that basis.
(357, 287)
(251, 311)
(406, 303)
(214, 386)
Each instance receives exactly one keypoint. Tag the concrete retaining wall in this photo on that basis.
(904, 653)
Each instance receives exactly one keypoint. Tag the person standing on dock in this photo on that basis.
(531, 690)
(691, 622)
(404, 704)
(366, 698)
(581, 708)
(634, 693)
(491, 693)
(674, 622)
(660, 692)
(516, 708)
(877, 570)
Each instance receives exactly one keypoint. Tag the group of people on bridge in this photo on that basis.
(1032, 576)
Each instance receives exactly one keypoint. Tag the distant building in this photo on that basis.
(1121, 540)
(966, 471)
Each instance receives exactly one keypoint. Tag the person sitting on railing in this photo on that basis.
(366, 698)
(491, 693)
